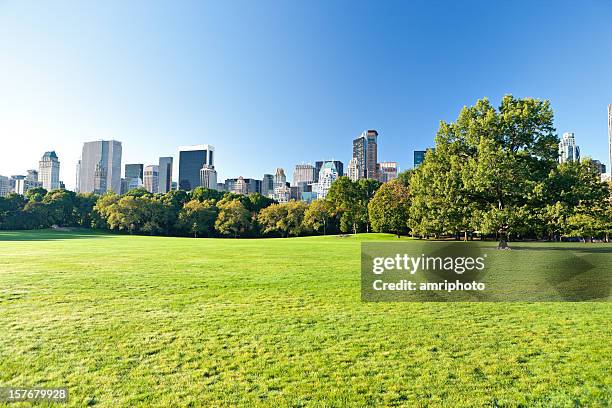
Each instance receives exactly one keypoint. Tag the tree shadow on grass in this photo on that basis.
(50, 235)
(578, 248)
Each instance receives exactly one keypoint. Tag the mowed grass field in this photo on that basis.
(126, 321)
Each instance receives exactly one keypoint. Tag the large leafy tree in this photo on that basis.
(389, 208)
(198, 217)
(233, 218)
(319, 215)
(485, 169)
(61, 207)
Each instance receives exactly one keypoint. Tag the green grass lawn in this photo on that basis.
(129, 321)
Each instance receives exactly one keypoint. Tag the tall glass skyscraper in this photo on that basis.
(365, 150)
(165, 174)
(191, 160)
(100, 167)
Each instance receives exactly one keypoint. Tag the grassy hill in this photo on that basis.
(155, 321)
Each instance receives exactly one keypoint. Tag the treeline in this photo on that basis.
(493, 174)
(199, 213)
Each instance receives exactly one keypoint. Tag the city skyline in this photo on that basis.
(306, 94)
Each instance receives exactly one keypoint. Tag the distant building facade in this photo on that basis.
(327, 176)
(303, 173)
(267, 185)
(151, 178)
(191, 160)
(208, 177)
(100, 167)
(339, 168)
(134, 177)
(48, 171)
(352, 170)
(365, 150)
(387, 171)
(419, 157)
(5, 187)
(165, 174)
(568, 149)
(280, 180)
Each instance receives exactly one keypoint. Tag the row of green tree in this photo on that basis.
(492, 173)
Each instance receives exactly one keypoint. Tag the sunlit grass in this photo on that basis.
(154, 321)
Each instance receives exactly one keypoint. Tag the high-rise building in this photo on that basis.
(599, 167)
(303, 173)
(208, 177)
(267, 185)
(365, 150)
(243, 185)
(568, 149)
(339, 168)
(281, 194)
(32, 176)
(352, 170)
(280, 180)
(387, 171)
(25, 183)
(610, 135)
(419, 157)
(134, 177)
(240, 187)
(327, 176)
(134, 171)
(151, 178)
(100, 167)
(191, 160)
(5, 186)
(165, 174)
(48, 171)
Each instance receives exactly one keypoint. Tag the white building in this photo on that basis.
(208, 177)
(151, 178)
(352, 170)
(387, 171)
(48, 171)
(280, 180)
(282, 194)
(303, 173)
(327, 176)
(100, 167)
(568, 149)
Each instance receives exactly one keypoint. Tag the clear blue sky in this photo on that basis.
(275, 83)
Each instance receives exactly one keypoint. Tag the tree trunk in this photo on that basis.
(465, 235)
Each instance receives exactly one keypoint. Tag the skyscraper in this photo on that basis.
(48, 171)
(303, 173)
(387, 171)
(191, 160)
(419, 157)
(4, 186)
(134, 171)
(365, 150)
(267, 185)
(208, 177)
(100, 167)
(165, 174)
(568, 149)
(280, 180)
(337, 163)
(151, 178)
(327, 176)
(610, 135)
(352, 170)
